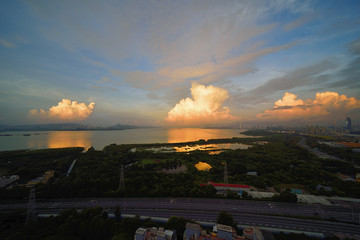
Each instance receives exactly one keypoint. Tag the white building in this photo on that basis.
(4, 181)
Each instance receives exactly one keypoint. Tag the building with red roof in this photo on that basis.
(220, 187)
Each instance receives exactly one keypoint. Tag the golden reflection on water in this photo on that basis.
(176, 135)
(63, 139)
(203, 166)
(210, 147)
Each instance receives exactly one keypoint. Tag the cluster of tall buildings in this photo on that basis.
(348, 124)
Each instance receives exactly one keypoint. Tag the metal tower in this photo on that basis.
(226, 181)
(122, 182)
(31, 211)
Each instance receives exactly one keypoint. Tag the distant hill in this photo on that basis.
(63, 127)
(122, 127)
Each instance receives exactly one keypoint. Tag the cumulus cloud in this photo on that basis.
(204, 107)
(325, 104)
(66, 110)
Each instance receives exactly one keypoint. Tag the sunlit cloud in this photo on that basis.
(325, 104)
(206, 71)
(298, 22)
(204, 107)
(66, 110)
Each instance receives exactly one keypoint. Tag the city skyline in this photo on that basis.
(179, 63)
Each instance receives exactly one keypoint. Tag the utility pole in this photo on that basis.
(31, 211)
(121, 183)
(226, 181)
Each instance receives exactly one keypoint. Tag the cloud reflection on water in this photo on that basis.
(63, 139)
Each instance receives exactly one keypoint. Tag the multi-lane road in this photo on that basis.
(245, 213)
(317, 152)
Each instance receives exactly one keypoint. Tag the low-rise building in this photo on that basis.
(326, 188)
(224, 232)
(5, 181)
(154, 234)
(345, 177)
(350, 144)
(252, 173)
(194, 231)
(221, 187)
(298, 191)
(332, 144)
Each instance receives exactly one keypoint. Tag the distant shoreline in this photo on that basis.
(65, 130)
(99, 138)
(105, 129)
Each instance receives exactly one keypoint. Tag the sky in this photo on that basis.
(179, 63)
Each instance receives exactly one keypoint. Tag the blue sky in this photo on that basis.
(137, 60)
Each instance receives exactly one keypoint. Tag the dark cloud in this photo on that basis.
(350, 74)
(306, 76)
(354, 47)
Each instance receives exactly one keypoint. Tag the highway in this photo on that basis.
(317, 152)
(246, 213)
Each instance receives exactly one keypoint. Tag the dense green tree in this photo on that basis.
(225, 218)
(285, 196)
(117, 212)
(178, 224)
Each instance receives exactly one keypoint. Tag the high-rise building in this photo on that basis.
(348, 124)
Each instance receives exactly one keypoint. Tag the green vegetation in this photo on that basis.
(29, 164)
(345, 153)
(285, 196)
(225, 218)
(94, 223)
(178, 224)
(88, 224)
(280, 164)
(32, 164)
(91, 223)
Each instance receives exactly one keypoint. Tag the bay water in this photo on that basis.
(100, 139)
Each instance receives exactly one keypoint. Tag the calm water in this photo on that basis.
(100, 139)
(212, 148)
